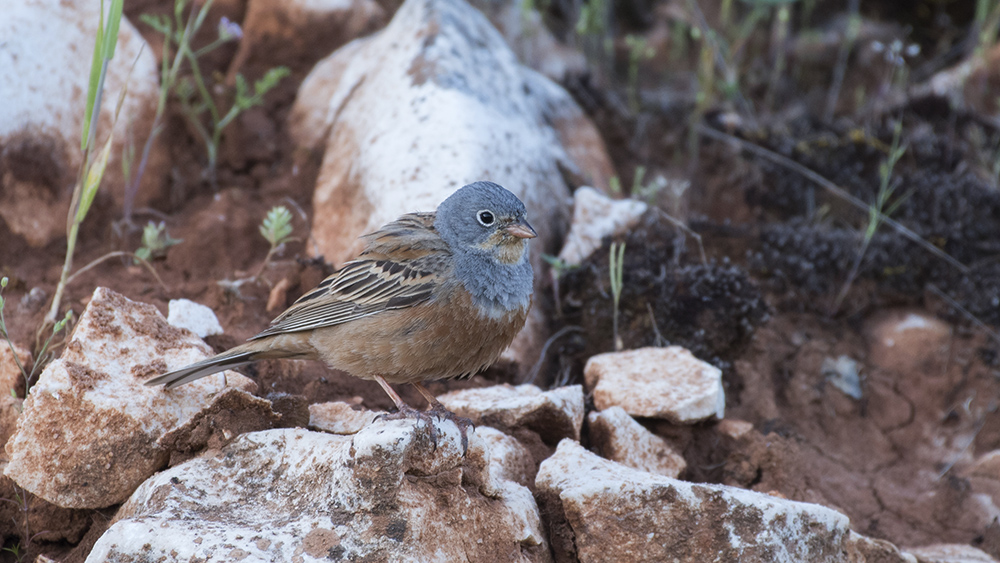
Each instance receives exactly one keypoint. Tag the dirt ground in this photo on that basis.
(763, 306)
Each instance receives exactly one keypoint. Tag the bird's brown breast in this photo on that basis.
(445, 338)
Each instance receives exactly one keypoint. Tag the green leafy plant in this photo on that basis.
(201, 107)
(276, 228)
(197, 101)
(92, 168)
(616, 268)
(155, 241)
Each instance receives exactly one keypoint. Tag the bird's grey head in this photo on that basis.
(483, 217)
(486, 227)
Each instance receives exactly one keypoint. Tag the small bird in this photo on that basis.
(434, 295)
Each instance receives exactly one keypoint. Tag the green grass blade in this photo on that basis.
(111, 33)
(95, 78)
(92, 181)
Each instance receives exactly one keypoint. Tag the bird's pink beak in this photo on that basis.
(521, 229)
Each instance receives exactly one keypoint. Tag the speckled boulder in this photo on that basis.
(599, 511)
(90, 429)
(391, 492)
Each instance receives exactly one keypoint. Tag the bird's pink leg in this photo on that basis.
(431, 399)
(393, 395)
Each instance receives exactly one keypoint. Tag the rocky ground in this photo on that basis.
(782, 373)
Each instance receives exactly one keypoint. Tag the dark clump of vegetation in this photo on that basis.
(816, 239)
(709, 308)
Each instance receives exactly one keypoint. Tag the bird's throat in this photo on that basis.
(496, 287)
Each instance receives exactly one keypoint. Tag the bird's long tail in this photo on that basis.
(227, 360)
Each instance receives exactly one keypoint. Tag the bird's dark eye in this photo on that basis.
(485, 217)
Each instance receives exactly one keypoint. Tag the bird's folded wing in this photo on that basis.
(401, 267)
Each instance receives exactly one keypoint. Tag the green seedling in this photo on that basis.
(200, 106)
(638, 51)
(616, 269)
(155, 241)
(276, 228)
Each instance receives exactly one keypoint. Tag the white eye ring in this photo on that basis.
(485, 217)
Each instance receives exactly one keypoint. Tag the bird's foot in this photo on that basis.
(405, 411)
(464, 424)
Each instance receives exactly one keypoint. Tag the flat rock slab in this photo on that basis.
(388, 493)
(338, 417)
(601, 511)
(950, 553)
(553, 414)
(619, 437)
(665, 383)
(90, 428)
(199, 319)
(596, 216)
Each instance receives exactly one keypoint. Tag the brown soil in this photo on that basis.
(761, 308)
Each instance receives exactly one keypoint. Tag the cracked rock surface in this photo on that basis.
(387, 493)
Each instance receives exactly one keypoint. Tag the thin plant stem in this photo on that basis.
(833, 189)
(116, 254)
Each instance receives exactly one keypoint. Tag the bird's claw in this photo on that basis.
(464, 424)
(428, 416)
(407, 411)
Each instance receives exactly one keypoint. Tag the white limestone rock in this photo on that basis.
(950, 553)
(199, 319)
(553, 414)
(88, 435)
(44, 70)
(388, 493)
(596, 216)
(618, 437)
(603, 511)
(862, 549)
(434, 101)
(665, 383)
(523, 28)
(509, 459)
(338, 417)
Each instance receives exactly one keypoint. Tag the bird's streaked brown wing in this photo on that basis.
(375, 282)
